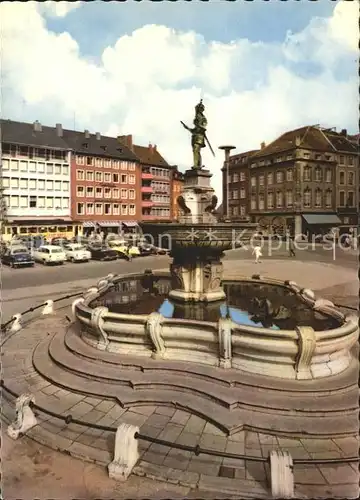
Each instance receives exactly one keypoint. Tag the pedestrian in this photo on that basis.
(291, 248)
(257, 252)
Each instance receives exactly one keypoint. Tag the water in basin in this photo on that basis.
(247, 303)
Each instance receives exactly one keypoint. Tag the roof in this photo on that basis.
(150, 156)
(238, 156)
(24, 133)
(321, 219)
(311, 137)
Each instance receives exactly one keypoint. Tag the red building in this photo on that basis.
(105, 183)
(177, 186)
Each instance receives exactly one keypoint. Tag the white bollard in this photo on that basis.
(25, 418)
(282, 476)
(48, 308)
(126, 452)
(16, 324)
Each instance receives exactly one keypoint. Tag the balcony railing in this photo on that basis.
(147, 175)
(146, 189)
(147, 203)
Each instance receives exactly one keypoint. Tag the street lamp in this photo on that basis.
(227, 150)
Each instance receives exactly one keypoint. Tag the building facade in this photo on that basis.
(177, 187)
(306, 181)
(35, 178)
(105, 180)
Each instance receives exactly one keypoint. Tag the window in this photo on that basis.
(107, 193)
(341, 160)
(65, 186)
(32, 166)
(41, 168)
(289, 175)
(131, 179)
(253, 181)
(90, 208)
(342, 178)
(49, 168)
(80, 208)
(328, 198)
(41, 202)
(253, 203)
(234, 195)
(89, 175)
(261, 201)
(279, 177)
(236, 177)
(65, 203)
(124, 179)
(80, 191)
(235, 211)
(32, 183)
(132, 166)
(6, 182)
(116, 209)
(115, 178)
(261, 180)
(350, 160)
(318, 174)
(328, 176)
(242, 193)
(98, 208)
(107, 209)
(14, 165)
(342, 198)
(24, 202)
(107, 177)
(107, 162)
(98, 176)
(49, 185)
(307, 198)
(242, 176)
(14, 201)
(270, 178)
(89, 161)
(57, 203)
(289, 198)
(57, 169)
(49, 202)
(350, 199)
(80, 160)
(123, 165)
(14, 183)
(89, 191)
(65, 169)
(242, 210)
(98, 192)
(318, 198)
(57, 185)
(306, 155)
(116, 193)
(131, 209)
(132, 194)
(41, 184)
(307, 174)
(5, 164)
(279, 199)
(124, 194)
(124, 209)
(116, 164)
(351, 178)
(98, 162)
(33, 202)
(80, 175)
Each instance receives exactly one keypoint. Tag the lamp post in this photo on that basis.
(227, 150)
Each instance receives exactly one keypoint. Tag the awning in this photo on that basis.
(326, 219)
(109, 223)
(130, 223)
(88, 224)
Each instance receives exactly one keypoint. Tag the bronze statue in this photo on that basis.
(198, 135)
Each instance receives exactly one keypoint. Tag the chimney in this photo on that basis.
(87, 134)
(154, 147)
(98, 136)
(297, 140)
(37, 126)
(126, 140)
(151, 148)
(59, 130)
(262, 145)
(344, 132)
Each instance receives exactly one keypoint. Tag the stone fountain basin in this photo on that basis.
(301, 353)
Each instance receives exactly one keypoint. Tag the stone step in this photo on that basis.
(228, 377)
(235, 397)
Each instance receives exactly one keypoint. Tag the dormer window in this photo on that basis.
(85, 145)
(120, 150)
(104, 148)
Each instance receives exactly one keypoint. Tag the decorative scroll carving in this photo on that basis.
(25, 418)
(224, 331)
(97, 322)
(307, 345)
(154, 329)
(80, 300)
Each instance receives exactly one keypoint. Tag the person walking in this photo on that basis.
(291, 248)
(257, 253)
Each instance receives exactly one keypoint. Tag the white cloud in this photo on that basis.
(58, 9)
(152, 78)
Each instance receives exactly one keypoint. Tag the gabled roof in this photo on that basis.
(24, 133)
(341, 142)
(239, 156)
(150, 156)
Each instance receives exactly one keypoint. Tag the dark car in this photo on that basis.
(17, 257)
(59, 241)
(102, 252)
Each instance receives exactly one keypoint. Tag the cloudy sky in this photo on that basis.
(140, 67)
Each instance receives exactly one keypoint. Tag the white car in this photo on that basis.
(75, 252)
(49, 254)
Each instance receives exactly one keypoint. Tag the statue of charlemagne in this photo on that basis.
(198, 135)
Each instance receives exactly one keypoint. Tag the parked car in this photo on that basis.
(59, 241)
(49, 254)
(102, 252)
(17, 256)
(82, 240)
(120, 248)
(75, 252)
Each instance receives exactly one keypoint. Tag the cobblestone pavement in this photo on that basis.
(185, 474)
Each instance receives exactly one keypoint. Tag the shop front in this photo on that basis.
(320, 224)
